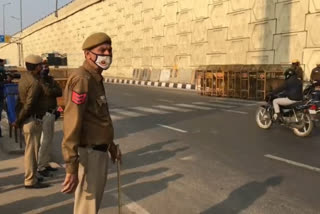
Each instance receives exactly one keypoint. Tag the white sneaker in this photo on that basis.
(275, 116)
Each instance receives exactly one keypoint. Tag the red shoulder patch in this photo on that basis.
(78, 98)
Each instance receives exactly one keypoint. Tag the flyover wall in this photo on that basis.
(180, 35)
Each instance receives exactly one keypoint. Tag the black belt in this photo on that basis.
(51, 111)
(101, 148)
(38, 116)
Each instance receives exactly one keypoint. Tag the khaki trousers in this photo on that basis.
(92, 173)
(32, 133)
(46, 140)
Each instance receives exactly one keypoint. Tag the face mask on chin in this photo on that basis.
(103, 61)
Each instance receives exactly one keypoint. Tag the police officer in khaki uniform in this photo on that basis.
(88, 129)
(315, 74)
(52, 90)
(295, 65)
(30, 111)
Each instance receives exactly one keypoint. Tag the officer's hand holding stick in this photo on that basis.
(115, 153)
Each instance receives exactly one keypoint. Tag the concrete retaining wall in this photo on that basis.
(180, 35)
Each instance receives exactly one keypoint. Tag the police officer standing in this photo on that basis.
(315, 74)
(30, 111)
(295, 65)
(88, 129)
(2, 80)
(51, 90)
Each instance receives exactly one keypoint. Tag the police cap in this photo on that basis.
(295, 61)
(33, 59)
(96, 39)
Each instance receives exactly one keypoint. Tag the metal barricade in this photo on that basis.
(209, 83)
(221, 83)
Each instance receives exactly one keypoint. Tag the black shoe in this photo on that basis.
(40, 179)
(51, 169)
(44, 173)
(37, 186)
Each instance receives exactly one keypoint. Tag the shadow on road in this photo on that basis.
(32, 203)
(8, 170)
(241, 198)
(143, 190)
(150, 154)
(16, 181)
(135, 192)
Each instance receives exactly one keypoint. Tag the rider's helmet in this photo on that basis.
(289, 73)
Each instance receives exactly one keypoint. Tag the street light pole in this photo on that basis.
(56, 8)
(4, 18)
(20, 16)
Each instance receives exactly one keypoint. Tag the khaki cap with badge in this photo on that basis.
(33, 59)
(295, 61)
(96, 39)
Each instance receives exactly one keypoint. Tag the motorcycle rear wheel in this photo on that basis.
(308, 126)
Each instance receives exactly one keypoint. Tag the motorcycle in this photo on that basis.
(312, 94)
(295, 116)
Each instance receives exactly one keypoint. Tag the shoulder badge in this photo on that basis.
(78, 98)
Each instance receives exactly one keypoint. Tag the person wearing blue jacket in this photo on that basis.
(2, 81)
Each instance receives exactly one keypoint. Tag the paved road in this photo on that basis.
(184, 153)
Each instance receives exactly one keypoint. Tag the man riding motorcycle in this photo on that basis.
(291, 90)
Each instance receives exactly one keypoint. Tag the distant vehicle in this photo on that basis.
(10, 68)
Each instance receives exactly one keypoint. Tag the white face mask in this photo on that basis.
(103, 61)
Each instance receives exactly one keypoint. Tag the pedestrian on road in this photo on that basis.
(88, 129)
(52, 90)
(30, 111)
(2, 81)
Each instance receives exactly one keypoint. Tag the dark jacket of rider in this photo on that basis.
(292, 88)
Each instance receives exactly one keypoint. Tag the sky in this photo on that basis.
(32, 11)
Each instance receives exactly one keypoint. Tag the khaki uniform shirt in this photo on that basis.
(315, 74)
(51, 90)
(87, 120)
(31, 97)
(299, 72)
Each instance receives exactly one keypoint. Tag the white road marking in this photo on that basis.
(172, 128)
(242, 101)
(194, 106)
(235, 103)
(115, 118)
(171, 108)
(126, 113)
(213, 104)
(293, 163)
(126, 201)
(234, 111)
(149, 110)
(131, 205)
(163, 100)
(49, 207)
(187, 158)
